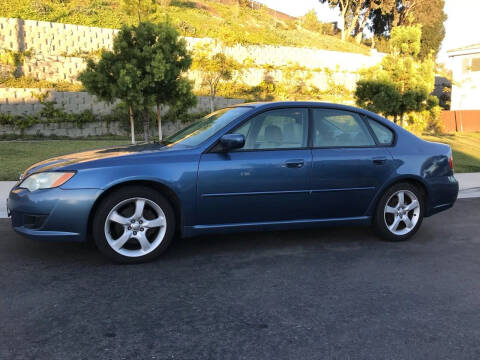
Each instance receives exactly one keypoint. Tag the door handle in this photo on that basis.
(297, 163)
(380, 160)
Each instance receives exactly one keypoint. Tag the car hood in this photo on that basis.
(92, 155)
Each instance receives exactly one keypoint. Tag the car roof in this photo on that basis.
(258, 106)
(276, 104)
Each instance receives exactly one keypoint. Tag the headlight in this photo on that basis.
(45, 180)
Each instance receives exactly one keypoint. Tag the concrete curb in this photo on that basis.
(469, 188)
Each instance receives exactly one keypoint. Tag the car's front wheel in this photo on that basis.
(399, 212)
(133, 224)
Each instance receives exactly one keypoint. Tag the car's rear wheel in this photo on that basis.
(399, 212)
(133, 224)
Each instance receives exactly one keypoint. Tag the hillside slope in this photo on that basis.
(221, 19)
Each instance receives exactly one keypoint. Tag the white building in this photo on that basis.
(465, 64)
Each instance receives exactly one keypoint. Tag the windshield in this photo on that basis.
(207, 126)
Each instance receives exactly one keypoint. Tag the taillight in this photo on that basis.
(450, 162)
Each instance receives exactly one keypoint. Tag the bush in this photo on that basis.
(426, 121)
(310, 21)
(50, 113)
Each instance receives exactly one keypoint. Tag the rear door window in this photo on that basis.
(338, 128)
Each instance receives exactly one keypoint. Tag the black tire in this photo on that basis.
(380, 219)
(119, 196)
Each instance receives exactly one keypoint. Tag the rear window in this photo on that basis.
(383, 133)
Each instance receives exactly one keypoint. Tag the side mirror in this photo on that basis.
(232, 141)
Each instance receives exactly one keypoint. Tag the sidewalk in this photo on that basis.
(469, 188)
(5, 187)
(469, 185)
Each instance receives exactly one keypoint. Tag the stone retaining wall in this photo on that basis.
(57, 48)
(89, 129)
(25, 102)
(53, 38)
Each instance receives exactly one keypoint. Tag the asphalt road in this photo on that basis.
(312, 294)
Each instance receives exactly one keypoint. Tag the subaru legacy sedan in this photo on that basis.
(250, 167)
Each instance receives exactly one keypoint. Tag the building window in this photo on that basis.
(470, 64)
(475, 64)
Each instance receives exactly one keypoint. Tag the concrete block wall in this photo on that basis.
(56, 48)
(89, 129)
(67, 129)
(53, 38)
(25, 102)
(53, 68)
(287, 55)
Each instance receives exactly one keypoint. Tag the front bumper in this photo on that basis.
(51, 214)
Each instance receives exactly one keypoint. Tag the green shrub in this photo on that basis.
(426, 121)
(50, 113)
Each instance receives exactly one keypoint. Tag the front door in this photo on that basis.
(266, 180)
(348, 164)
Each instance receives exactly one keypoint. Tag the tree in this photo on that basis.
(310, 21)
(431, 17)
(214, 68)
(113, 77)
(345, 7)
(428, 13)
(145, 68)
(401, 83)
(355, 14)
(169, 62)
(378, 96)
(141, 8)
(179, 100)
(384, 97)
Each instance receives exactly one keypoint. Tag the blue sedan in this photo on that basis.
(255, 166)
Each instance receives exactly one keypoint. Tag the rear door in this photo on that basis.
(266, 180)
(349, 164)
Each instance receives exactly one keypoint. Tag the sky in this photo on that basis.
(462, 26)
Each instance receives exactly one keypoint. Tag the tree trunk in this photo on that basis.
(344, 13)
(159, 123)
(132, 125)
(358, 37)
(212, 107)
(395, 118)
(146, 126)
(353, 25)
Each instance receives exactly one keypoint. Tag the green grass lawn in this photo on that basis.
(465, 147)
(16, 156)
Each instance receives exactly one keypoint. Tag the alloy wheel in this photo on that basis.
(402, 212)
(135, 227)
